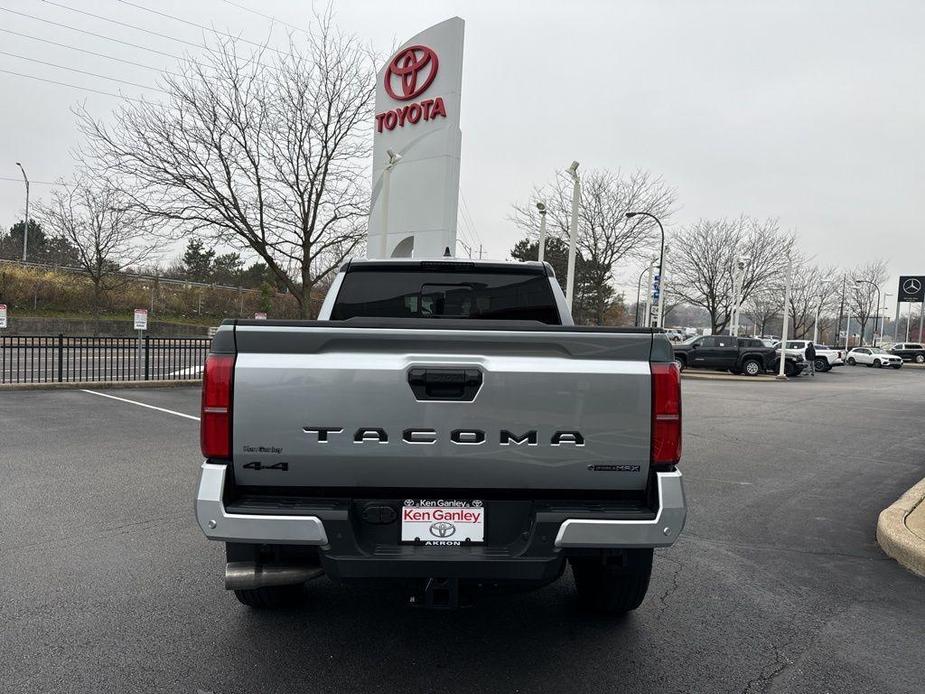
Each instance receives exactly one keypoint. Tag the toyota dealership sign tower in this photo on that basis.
(416, 144)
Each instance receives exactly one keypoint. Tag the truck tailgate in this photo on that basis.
(441, 408)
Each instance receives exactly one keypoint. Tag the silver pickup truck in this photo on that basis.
(443, 423)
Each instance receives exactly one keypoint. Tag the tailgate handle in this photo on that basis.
(445, 384)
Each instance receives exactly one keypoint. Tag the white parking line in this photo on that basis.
(141, 404)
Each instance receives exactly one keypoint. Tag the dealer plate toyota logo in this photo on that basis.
(412, 70)
(912, 286)
(443, 529)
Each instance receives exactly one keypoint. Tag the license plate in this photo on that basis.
(443, 521)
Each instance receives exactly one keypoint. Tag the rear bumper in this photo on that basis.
(661, 531)
(218, 524)
(347, 549)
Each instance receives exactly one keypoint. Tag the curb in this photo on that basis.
(76, 385)
(717, 376)
(895, 538)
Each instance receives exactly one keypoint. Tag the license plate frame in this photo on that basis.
(442, 522)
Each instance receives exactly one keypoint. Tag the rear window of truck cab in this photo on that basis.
(458, 292)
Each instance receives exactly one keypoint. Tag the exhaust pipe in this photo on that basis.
(245, 575)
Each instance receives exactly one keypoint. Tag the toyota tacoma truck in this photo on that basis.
(443, 424)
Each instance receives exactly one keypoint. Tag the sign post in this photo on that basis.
(2, 315)
(911, 291)
(141, 325)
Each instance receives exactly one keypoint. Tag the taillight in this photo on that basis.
(215, 418)
(666, 414)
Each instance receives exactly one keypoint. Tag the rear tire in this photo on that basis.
(920, 358)
(751, 367)
(851, 361)
(613, 585)
(271, 597)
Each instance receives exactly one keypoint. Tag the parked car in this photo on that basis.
(826, 357)
(874, 356)
(746, 355)
(909, 351)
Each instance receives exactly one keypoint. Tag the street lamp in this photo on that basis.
(386, 179)
(877, 317)
(573, 234)
(542, 210)
(647, 268)
(25, 231)
(818, 307)
(661, 255)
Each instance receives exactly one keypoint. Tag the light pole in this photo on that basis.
(783, 333)
(877, 316)
(736, 290)
(386, 179)
(882, 314)
(573, 235)
(661, 254)
(639, 291)
(818, 307)
(25, 231)
(542, 210)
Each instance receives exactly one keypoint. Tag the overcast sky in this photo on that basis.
(813, 112)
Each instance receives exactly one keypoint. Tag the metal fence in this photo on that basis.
(62, 358)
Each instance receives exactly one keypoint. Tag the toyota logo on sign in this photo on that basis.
(442, 529)
(410, 72)
(912, 286)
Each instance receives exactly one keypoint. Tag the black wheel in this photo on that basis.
(877, 364)
(897, 366)
(790, 369)
(920, 358)
(681, 363)
(751, 367)
(613, 585)
(851, 361)
(821, 364)
(271, 597)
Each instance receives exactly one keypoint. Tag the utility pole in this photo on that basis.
(25, 231)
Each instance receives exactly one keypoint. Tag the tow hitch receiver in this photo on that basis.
(439, 594)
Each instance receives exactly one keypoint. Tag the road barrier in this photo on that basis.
(65, 359)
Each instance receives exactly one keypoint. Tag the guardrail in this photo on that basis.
(66, 359)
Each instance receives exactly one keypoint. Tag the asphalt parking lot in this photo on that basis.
(107, 584)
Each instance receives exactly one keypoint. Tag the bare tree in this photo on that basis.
(256, 151)
(862, 297)
(605, 235)
(704, 256)
(764, 306)
(109, 236)
(812, 288)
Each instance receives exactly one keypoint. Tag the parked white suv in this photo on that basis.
(826, 357)
(874, 356)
